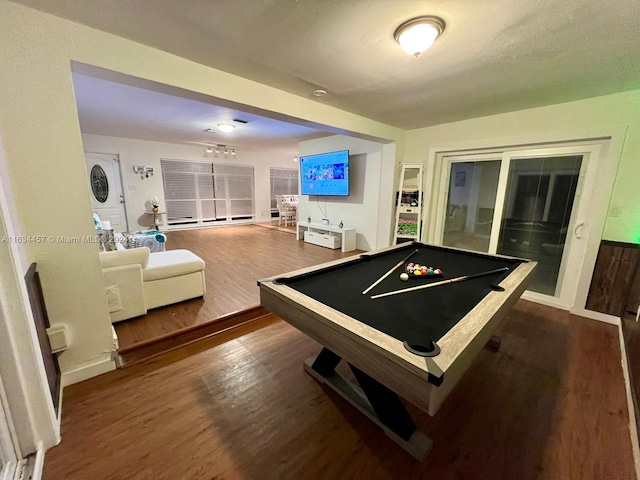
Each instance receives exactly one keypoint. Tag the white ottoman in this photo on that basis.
(172, 276)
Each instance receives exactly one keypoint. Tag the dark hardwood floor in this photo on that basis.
(550, 404)
(235, 257)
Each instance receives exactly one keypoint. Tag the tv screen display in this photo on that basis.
(325, 173)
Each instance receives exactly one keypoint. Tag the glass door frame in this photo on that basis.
(577, 232)
(445, 182)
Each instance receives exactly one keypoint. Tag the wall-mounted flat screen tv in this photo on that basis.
(325, 173)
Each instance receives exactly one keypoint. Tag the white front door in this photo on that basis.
(105, 184)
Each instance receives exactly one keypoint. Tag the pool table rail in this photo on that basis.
(383, 357)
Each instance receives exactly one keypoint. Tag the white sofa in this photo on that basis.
(137, 280)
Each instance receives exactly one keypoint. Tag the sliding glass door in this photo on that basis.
(537, 213)
(518, 203)
(471, 201)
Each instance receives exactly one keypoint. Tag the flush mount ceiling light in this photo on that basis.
(226, 127)
(319, 93)
(416, 36)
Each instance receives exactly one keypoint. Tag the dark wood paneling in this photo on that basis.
(551, 404)
(633, 299)
(631, 332)
(612, 277)
(41, 319)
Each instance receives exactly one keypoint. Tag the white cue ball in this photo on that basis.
(404, 277)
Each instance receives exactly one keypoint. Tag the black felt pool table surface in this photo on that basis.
(414, 317)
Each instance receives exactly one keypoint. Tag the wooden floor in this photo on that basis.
(235, 258)
(550, 404)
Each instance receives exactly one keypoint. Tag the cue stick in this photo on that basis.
(443, 282)
(390, 271)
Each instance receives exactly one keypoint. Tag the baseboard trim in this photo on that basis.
(544, 300)
(633, 421)
(601, 317)
(86, 372)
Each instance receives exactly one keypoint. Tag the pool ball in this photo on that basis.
(404, 277)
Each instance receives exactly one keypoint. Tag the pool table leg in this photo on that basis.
(376, 401)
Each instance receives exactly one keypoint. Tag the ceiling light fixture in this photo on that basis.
(221, 149)
(226, 127)
(416, 36)
(295, 158)
(319, 93)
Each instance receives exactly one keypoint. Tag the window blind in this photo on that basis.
(235, 183)
(199, 192)
(284, 181)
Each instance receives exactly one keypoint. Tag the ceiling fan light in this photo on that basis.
(226, 127)
(416, 36)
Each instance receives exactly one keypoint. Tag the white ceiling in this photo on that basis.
(494, 55)
(116, 109)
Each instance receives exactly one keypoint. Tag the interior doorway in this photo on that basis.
(105, 184)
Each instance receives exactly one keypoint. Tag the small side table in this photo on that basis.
(157, 219)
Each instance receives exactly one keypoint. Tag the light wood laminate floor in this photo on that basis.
(550, 404)
(235, 258)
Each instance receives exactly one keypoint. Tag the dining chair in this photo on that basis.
(286, 211)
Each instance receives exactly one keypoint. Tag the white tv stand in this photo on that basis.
(324, 235)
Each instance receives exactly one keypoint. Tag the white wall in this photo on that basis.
(616, 116)
(21, 367)
(141, 152)
(371, 191)
(41, 133)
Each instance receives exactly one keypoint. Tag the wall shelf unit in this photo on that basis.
(409, 204)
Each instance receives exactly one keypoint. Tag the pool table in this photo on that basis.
(416, 344)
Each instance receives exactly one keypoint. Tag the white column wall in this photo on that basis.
(40, 129)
